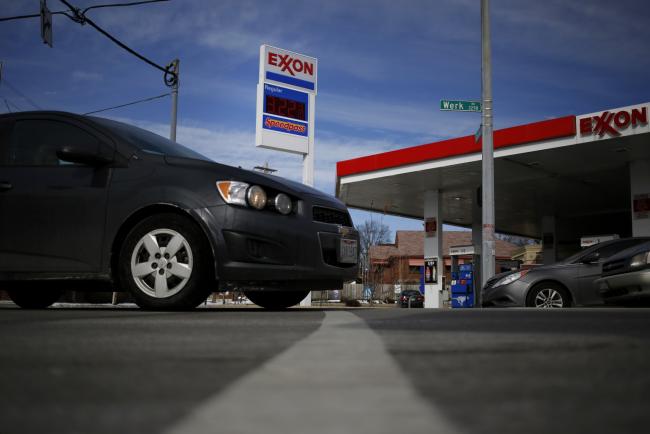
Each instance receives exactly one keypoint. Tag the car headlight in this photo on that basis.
(510, 278)
(283, 204)
(256, 197)
(641, 259)
(233, 192)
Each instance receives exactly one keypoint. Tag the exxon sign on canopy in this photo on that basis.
(287, 67)
(614, 123)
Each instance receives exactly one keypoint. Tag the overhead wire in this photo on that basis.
(19, 93)
(128, 104)
(112, 5)
(170, 76)
(20, 17)
(9, 104)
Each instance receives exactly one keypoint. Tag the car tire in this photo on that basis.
(548, 295)
(162, 279)
(28, 297)
(276, 300)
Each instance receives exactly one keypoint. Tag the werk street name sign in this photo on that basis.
(460, 106)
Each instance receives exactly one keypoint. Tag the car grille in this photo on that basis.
(333, 216)
(614, 267)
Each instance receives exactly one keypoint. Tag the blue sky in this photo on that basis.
(383, 67)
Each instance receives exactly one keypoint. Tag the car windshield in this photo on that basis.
(149, 142)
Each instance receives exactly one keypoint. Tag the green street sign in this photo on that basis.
(460, 106)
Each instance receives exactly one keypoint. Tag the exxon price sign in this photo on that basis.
(286, 94)
(460, 106)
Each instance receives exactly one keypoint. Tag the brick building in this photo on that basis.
(400, 262)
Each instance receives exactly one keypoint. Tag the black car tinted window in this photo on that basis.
(36, 142)
(147, 141)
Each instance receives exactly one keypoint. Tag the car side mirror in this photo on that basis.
(75, 154)
(590, 258)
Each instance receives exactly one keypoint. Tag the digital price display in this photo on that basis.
(276, 105)
(288, 103)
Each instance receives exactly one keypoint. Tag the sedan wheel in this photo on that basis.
(166, 263)
(548, 296)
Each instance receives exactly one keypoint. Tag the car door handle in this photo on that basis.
(4, 186)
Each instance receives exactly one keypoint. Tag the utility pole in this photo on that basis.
(174, 68)
(487, 248)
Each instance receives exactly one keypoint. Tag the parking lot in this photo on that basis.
(243, 369)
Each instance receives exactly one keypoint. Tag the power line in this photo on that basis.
(10, 103)
(19, 93)
(129, 103)
(170, 76)
(79, 16)
(20, 17)
(112, 5)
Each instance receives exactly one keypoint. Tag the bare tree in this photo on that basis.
(371, 233)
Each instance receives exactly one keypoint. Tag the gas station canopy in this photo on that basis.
(578, 169)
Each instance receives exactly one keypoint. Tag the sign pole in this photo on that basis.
(308, 158)
(172, 129)
(308, 169)
(487, 250)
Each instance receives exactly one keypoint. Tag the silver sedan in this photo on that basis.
(567, 283)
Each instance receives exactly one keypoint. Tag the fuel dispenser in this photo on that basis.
(464, 277)
(462, 286)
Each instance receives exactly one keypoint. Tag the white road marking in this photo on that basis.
(338, 380)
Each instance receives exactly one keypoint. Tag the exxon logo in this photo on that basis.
(613, 123)
(289, 64)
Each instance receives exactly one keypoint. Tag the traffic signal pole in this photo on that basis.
(487, 247)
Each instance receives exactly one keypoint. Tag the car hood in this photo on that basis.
(251, 177)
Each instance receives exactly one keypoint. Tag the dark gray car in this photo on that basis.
(89, 203)
(567, 283)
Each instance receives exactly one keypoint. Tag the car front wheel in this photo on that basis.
(165, 263)
(548, 296)
(276, 300)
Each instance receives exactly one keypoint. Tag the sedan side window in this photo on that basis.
(613, 248)
(36, 142)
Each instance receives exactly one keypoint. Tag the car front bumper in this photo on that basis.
(510, 295)
(266, 250)
(626, 285)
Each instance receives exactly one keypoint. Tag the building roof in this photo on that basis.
(411, 244)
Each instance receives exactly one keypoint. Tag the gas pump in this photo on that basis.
(464, 283)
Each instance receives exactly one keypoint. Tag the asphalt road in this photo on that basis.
(324, 371)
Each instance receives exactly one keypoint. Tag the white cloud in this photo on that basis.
(237, 148)
(79, 75)
(412, 119)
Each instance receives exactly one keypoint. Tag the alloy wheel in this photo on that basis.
(549, 298)
(162, 263)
